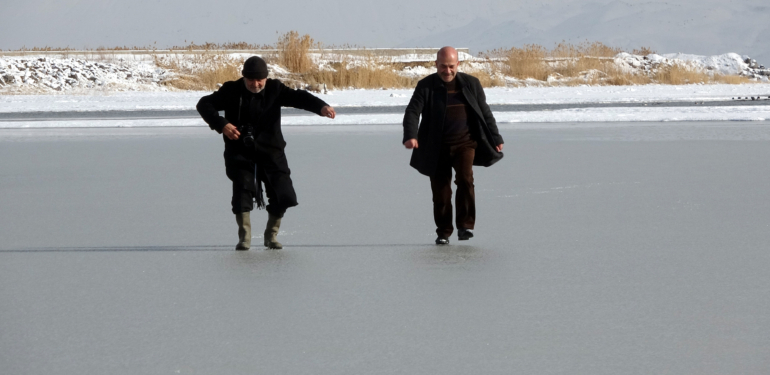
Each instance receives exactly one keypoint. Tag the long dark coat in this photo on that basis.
(430, 101)
(263, 110)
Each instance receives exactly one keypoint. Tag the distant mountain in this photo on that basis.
(705, 27)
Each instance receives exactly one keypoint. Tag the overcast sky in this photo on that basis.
(698, 27)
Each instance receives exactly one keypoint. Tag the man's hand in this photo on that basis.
(411, 143)
(499, 148)
(328, 111)
(231, 132)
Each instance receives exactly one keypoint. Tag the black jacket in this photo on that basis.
(263, 110)
(430, 100)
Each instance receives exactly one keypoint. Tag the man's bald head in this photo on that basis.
(447, 63)
(448, 53)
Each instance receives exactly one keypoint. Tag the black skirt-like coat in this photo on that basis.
(263, 111)
(429, 101)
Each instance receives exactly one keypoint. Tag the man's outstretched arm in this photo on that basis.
(302, 99)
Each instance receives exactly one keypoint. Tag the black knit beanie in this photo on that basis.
(254, 68)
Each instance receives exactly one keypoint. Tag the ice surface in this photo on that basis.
(603, 250)
(520, 118)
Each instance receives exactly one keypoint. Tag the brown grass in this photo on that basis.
(565, 60)
(584, 49)
(680, 75)
(571, 64)
(592, 63)
(730, 80)
(206, 71)
(620, 78)
(367, 72)
(202, 72)
(643, 51)
(294, 52)
(523, 63)
(489, 80)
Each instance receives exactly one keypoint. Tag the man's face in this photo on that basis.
(447, 67)
(255, 85)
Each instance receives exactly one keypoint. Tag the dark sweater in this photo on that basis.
(456, 120)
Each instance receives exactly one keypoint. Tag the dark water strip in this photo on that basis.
(179, 114)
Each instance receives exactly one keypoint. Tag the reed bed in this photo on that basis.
(566, 64)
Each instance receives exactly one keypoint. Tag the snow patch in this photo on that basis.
(49, 74)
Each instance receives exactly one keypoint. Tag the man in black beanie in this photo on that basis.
(254, 144)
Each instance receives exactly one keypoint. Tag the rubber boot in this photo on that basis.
(244, 231)
(273, 225)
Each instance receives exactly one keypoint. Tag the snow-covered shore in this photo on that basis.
(81, 75)
(80, 85)
(584, 95)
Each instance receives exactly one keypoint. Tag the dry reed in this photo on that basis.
(367, 72)
(489, 80)
(202, 71)
(643, 51)
(522, 63)
(731, 80)
(566, 64)
(294, 52)
(678, 74)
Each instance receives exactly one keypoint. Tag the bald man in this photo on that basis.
(457, 131)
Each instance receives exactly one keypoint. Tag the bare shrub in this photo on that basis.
(206, 65)
(571, 60)
(368, 72)
(221, 46)
(586, 48)
(565, 60)
(488, 80)
(678, 74)
(591, 63)
(294, 52)
(202, 71)
(522, 63)
(618, 77)
(730, 80)
(643, 51)
(574, 67)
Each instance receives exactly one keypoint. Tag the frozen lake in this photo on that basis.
(624, 248)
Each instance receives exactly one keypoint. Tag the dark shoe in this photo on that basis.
(464, 234)
(442, 240)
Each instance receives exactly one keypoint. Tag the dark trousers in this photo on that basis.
(458, 156)
(273, 171)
